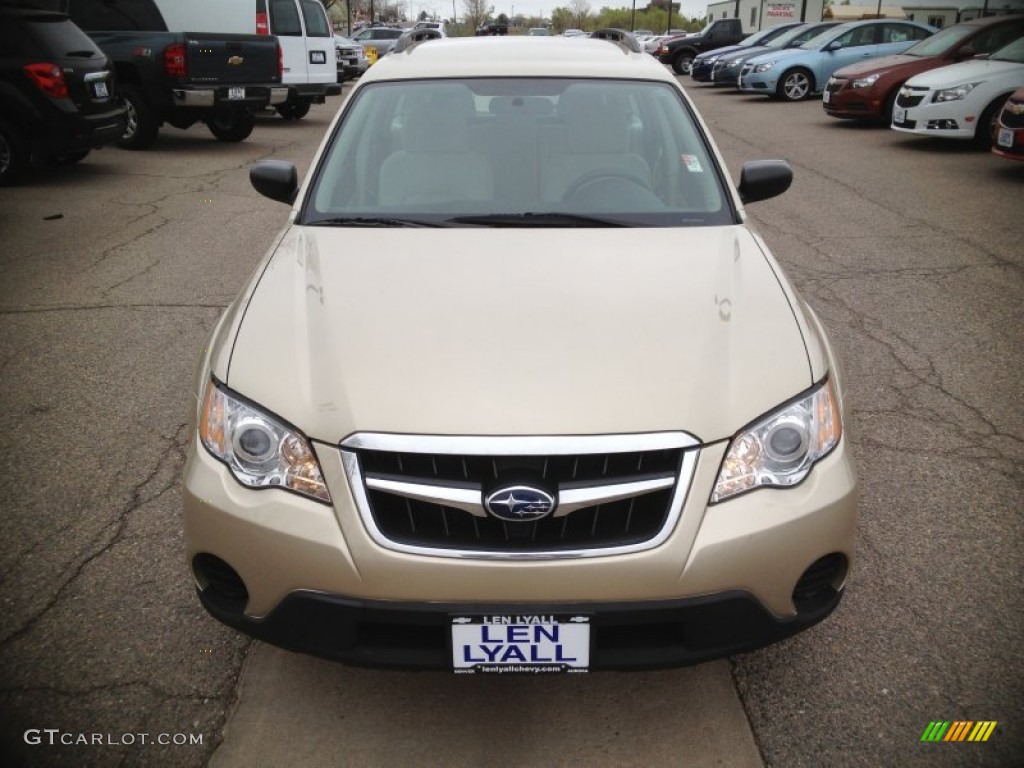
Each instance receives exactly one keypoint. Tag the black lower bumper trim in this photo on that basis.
(373, 633)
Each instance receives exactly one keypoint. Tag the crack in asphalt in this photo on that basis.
(91, 307)
(172, 457)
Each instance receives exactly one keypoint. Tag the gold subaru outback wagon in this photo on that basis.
(457, 420)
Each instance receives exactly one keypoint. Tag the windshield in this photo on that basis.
(798, 35)
(941, 41)
(823, 37)
(1012, 52)
(626, 153)
(762, 37)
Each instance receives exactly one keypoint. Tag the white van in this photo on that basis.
(301, 27)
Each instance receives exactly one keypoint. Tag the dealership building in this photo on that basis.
(760, 14)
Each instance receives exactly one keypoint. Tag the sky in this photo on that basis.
(543, 7)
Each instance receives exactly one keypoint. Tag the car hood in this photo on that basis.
(966, 71)
(886, 64)
(554, 331)
(719, 52)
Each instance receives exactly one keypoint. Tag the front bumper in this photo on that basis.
(313, 578)
(948, 120)
(757, 82)
(840, 99)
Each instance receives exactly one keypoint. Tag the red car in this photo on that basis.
(867, 91)
(1008, 131)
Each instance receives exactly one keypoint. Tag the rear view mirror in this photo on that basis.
(275, 179)
(835, 45)
(761, 179)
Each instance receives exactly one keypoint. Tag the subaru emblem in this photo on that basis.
(519, 503)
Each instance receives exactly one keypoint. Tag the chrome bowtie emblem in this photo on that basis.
(519, 503)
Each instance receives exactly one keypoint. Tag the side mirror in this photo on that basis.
(835, 45)
(275, 179)
(761, 179)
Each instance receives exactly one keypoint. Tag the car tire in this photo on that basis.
(983, 132)
(682, 62)
(69, 158)
(795, 85)
(15, 154)
(231, 126)
(890, 105)
(143, 123)
(294, 110)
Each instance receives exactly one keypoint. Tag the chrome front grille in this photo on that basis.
(426, 495)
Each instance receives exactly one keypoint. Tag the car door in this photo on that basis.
(855, 45)
(286, 24)
(319, 42)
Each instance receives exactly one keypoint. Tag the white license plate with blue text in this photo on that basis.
(1005, 138)
(524, 644)
(899, 115)
(236, 93)
(101, 91)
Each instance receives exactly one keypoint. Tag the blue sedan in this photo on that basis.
(795, 73)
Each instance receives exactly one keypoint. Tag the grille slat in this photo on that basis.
(609, 523)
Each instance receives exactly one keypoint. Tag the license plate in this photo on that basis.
(899, 115)
(101, 90)
(236, 93)
(523, 644)
(825, 97)
(317, 57)
(739, 81)
(1005, 138)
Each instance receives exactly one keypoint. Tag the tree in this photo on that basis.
(580, 11)
(477, 12)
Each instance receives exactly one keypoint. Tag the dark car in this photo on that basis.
(700, 69)
(727, 68)
(1008, 131)
(57, 92)
(867, 90)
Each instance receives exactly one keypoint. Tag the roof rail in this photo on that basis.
(620, 36)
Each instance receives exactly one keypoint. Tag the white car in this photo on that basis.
(960, 101)
(457, 420)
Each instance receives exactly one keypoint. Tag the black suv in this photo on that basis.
(57, 97)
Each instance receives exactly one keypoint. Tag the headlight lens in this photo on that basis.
(864, 82)
(954, 94)
(780, 450)
(764, 67)
(260, 451)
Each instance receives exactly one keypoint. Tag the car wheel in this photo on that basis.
(231, 126)
(983, 133)
(683, 62)
(15, 154)
(294, 110)
(795, 85)
(69, 158)
(143, 123)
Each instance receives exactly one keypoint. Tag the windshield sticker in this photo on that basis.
(692, 163)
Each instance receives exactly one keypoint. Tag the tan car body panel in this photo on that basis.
(355, 330)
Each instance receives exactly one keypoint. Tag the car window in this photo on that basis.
(284, 19)
(630, 150)
(54, 35)
(123, 16)
(315, 17)
(896, 33)
(859, 36)
(824, 37)
(942, 41)
(995, 38)
(1013, 52)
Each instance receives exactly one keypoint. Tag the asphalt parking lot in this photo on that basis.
(114, 272)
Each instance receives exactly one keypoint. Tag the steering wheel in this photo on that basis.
(600, 176)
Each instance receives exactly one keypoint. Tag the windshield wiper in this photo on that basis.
(372, 221)
(537, 220)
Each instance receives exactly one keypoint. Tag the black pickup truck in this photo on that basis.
(680, 51)
(181, 78)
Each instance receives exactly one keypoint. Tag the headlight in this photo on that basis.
(260, 451)
(864, 82)
(780, 449)
(733, 62)
(954, 94)
(764, 67)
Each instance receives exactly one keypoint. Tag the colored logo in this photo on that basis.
(959, 730)
(519, 503)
